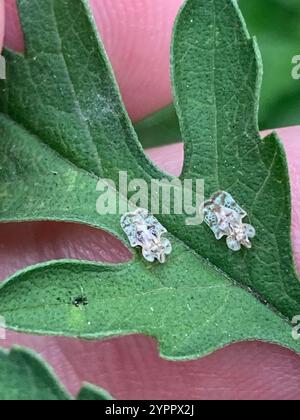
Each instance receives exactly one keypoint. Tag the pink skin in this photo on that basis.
(137, 36)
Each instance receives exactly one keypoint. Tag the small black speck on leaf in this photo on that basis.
(80, 301)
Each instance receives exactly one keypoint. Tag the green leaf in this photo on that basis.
(24, 376)
(60, 103)
(217, 78)
(275, 23)
(64, 92)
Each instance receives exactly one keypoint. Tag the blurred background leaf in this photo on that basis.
(276, 24)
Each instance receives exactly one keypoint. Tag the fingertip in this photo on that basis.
(291, 139)
(13, 33)
(168, 158)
